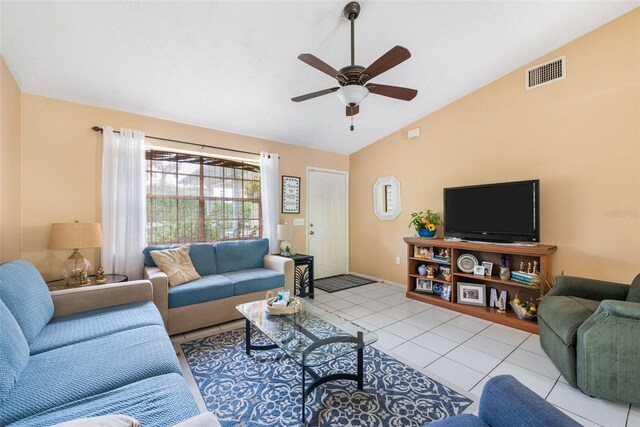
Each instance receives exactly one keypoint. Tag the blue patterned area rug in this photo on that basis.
(264, 389)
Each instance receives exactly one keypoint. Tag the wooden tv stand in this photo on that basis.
(483, 252)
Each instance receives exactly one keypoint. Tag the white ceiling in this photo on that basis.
(233, 65)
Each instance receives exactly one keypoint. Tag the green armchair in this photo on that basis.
(590, 329)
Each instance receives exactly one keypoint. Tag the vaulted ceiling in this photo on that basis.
(233, 65)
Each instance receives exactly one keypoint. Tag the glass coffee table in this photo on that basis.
(311, 337)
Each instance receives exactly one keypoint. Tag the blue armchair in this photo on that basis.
(505, 402)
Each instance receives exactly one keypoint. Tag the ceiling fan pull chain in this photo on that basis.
(351, 127)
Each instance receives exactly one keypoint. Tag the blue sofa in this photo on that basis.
(85, 352)
(231, 273)
(505, 402)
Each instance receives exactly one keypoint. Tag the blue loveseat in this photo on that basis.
(505, 402)
(231, 273)
(85, 352)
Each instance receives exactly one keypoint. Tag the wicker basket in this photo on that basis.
(295, 305)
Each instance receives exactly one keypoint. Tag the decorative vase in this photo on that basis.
(423, 232)
(422, 270)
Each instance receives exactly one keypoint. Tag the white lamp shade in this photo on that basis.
(352, 95)
(285, 232)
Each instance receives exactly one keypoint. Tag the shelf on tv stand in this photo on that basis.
(484, 251)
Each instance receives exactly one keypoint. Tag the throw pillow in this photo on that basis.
(176, 264)
(103, 421)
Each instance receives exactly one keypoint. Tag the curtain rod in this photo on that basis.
(99, 129)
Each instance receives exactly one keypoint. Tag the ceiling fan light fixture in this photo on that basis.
(352, 95)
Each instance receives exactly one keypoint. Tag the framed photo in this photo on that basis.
(478, 270)
(290, 194)
(472, 294)
(424, 285)
(488, 266)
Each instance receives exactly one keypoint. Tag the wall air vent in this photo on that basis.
(546, 73)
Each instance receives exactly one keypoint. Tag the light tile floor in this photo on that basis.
(460, 349)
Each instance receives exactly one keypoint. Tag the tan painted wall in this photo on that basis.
(62, 167)
(10, 206)
(579, 136)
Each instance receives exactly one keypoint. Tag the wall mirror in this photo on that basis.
(386, 198)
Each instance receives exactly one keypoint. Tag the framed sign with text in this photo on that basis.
(290, 194)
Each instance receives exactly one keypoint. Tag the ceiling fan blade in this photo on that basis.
(319, 64)
(352, 111)
(387, 61)
(314, 94)
(396, 92)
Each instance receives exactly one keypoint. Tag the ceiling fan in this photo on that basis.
(354, 79)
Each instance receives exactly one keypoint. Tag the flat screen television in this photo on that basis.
(502, 212)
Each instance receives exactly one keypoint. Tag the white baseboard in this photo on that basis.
(377, 279)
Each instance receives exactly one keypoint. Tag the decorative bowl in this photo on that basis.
(521, 312)
(423, 232)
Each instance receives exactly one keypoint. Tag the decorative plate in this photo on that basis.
(466, 262)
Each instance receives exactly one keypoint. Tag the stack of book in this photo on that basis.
(521, 277)
(440, 258)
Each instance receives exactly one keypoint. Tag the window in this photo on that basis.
(193, 198)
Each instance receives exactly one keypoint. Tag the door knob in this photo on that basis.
(311, 232)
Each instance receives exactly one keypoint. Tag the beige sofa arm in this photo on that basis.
(282, 265)
(160, 283)
(71, 301)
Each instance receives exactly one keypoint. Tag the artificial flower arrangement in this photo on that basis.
(425, 220)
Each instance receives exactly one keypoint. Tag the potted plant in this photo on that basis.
(425, 222)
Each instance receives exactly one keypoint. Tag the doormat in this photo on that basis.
(341, 282)
(264, 389)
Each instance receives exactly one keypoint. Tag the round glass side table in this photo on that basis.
(57, 285)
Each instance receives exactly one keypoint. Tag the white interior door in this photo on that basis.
(327, 221)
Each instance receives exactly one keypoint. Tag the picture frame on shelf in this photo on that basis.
(488, 267)
(423, 285)
(472, 294)
(420, 252)
(478, 270)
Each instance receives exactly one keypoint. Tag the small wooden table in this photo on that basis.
(57, 285)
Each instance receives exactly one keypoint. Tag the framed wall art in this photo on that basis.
(290, 194)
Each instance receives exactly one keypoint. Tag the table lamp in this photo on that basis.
(285, 233)
(76, 269)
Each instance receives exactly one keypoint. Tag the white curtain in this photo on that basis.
(123, 202)
(270, 189)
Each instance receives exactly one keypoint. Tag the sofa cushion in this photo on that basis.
(159, 401)
(634, 290)
(91, 324)
(203, 257)
(176, 264)
(67, 374)
(26, 295)
(148, 260)
(254, 280)
(208, 288)
(14, 351)
(241, 255)
(564, 315)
